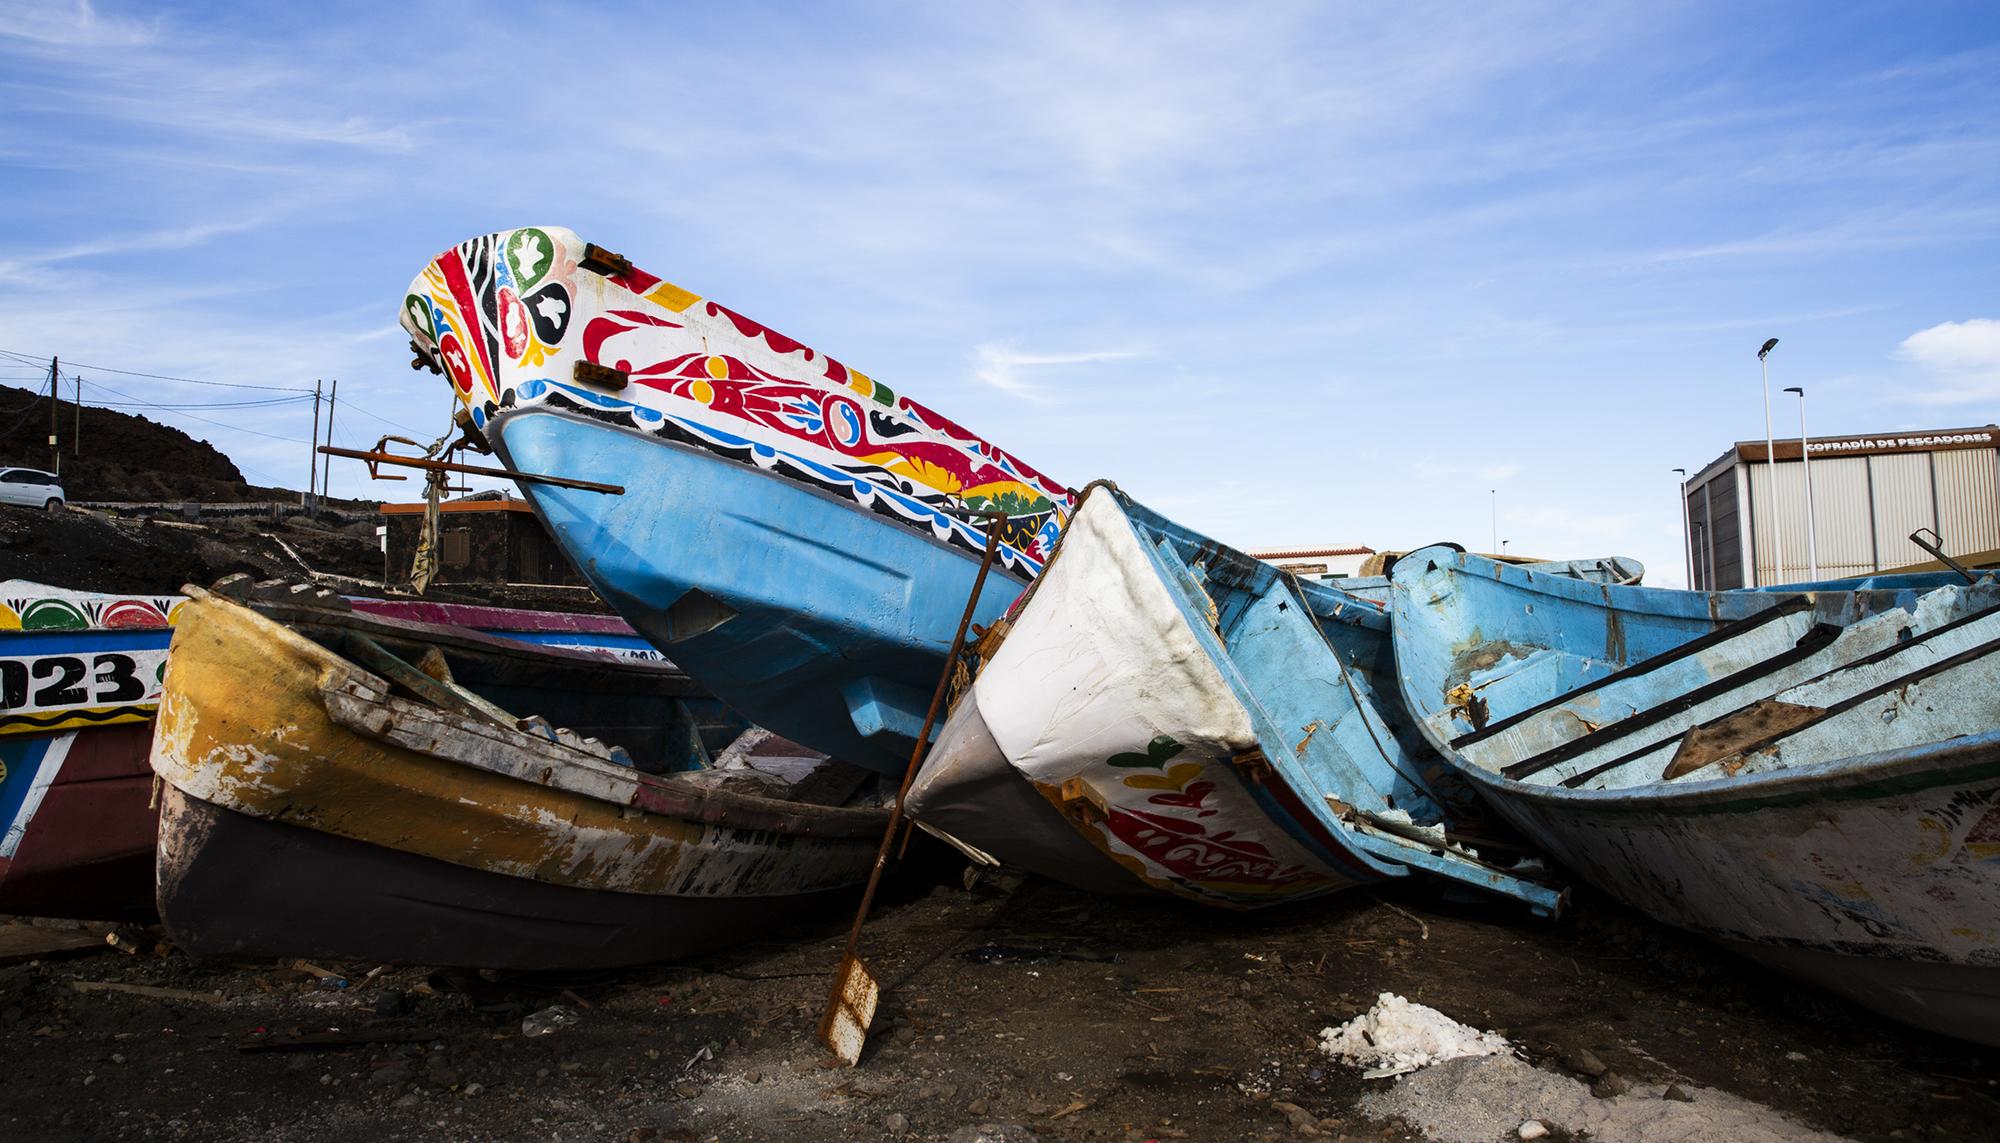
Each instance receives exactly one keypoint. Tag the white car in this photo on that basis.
(31, 488)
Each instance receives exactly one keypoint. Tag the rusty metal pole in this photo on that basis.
(378, 458)
(849, 963)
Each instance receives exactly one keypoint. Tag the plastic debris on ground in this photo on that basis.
(1397, 1036)
(546, 1021)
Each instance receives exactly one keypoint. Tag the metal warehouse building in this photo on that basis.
(1869, 493)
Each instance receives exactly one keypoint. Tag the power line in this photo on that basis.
(355, 408)
(198, 417)
(194, 404)
(162, 376)
(70, 368)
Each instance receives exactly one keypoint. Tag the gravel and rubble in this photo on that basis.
(1017, 1012)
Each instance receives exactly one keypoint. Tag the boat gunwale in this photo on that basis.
(654, 794)
(1888, 772)
(293, 615)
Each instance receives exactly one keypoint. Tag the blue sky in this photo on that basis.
(1292, 273)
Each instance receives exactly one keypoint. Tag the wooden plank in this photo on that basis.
(149, 991)
(372, 655)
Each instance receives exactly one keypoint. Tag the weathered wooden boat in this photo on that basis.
(347, 786)
(1815, 785)
(82, 675)
(79, 681)
(793, 533)
(1165, 712)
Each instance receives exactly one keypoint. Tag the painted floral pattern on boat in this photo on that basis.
(508, 316)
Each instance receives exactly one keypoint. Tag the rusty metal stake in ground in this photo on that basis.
(850, 1006)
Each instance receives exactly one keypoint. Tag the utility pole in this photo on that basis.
(55, 457)
(1493, 501)
(326, 473)
(312, 451)
(77, 448)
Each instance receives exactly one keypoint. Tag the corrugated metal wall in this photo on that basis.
(1713, 532)
(1904, 502)
(1865, 508)
(1843, 527)
(1968, 487)
(1781, 556)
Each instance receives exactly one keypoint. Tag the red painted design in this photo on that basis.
(513, 323)
(1183, 846)
(453, 268)
(455, 362)
(751, 329)
(128, 614)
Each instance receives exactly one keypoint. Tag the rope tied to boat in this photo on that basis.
(424, 565)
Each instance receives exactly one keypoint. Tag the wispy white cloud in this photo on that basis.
(1962, 358)
(171, 238)
(73, 26)
(1002, 366)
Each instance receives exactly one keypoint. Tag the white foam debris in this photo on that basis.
(1397, 1036)
(1480, 1100)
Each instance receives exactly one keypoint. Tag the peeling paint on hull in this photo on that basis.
(248, 733)
(1854, 842)
(1891, 899)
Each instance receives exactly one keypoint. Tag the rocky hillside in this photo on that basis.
(124, 457)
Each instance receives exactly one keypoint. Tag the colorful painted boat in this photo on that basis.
(1815, 785)
(79, 681)
(311, 808)
(1194, 721)
(793, 533)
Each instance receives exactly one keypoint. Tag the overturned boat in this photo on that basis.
(1163, 712)
(794, 533)
(344, 785)
(1814, 784)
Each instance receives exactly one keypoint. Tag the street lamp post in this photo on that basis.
(1687, 551)
(1771, 471)
(1805, 459)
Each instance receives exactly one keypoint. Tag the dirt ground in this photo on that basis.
(1027, 1003)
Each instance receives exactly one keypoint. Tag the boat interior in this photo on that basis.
(1779, 689)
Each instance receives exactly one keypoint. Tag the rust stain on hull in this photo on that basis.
(243, 726)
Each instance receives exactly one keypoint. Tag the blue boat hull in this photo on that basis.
(806, 613)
